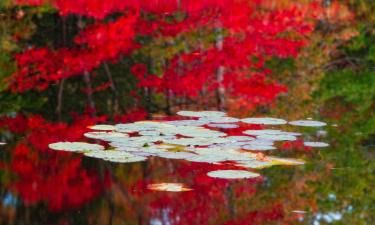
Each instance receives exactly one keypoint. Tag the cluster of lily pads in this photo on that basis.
(192, 140)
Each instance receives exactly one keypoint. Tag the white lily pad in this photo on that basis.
(172, 187)
(277, 137)
(115, 156)
(186, 122)
(219, 119)
(149, 133)
(315, 144)
(104, 135)
(223, 125)
(191, 131)
(255, 164)
(308, 123)
(102, 127)
(259, 147)
(2, 143)
(201, 113)
(175, 155)
(75, 146)
(195, 141)
(232, 174)
(264, 120)
(239, 138)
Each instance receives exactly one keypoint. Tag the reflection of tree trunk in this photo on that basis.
(220, 92)
(230, 202)
(60, 99)
(113, 87)
(61, 84)
(90, 99)
(168, 101)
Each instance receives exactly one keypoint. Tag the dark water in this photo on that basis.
(334, 186)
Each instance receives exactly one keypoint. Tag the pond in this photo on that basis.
(181, 170)
(174, 112)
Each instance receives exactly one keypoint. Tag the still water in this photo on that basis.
(328, 180)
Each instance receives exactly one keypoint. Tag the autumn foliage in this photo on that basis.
(226, 62)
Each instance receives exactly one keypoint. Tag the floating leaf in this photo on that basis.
(269, 132)
(186, 122)
(223, 125)
(75, 146)
(315, 144)
(223, 119)
(106, 136)
(299, 211)
(149, 133)
(201, 113)
(232, 174)
(115, 156)
(285, 161)
(175, 155)
(277, 137)
(258, 147)
(173, 187)
(2, 143)
(196, 141)
(255, 164)
(239, 138)
(102, 127)
(264, 120)
(307, 123)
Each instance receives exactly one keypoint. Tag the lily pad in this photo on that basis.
(277, 137)
(239, 138)
(259, 147)
(149, 133)
(186, 122)
(315, 144)
(223, 125)
(75, 146)
(308, 123)
(201, 113)
(172, 187)
(106, 136)
(285, 161)
(255, 164)
(102, 127)
(196, 141)
(115, 156)
(264, 120)
(219, 119)
(232, 174)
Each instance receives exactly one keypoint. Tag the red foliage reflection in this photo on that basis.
(57, 179)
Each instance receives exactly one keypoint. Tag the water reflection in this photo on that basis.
(56, 187)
